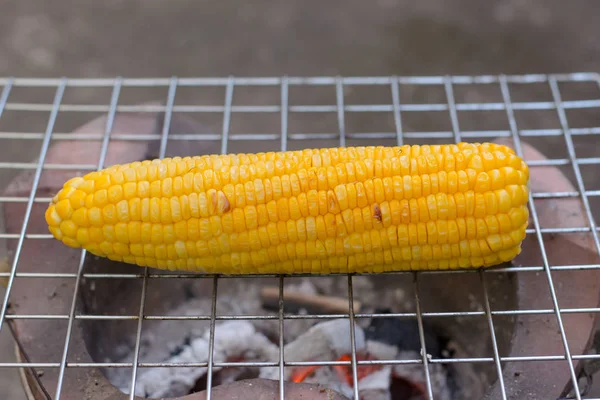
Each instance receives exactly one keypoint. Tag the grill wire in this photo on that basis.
(395, 85)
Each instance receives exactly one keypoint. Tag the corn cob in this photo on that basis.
(332, 210)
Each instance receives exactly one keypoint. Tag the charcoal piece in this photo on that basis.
(404, 334)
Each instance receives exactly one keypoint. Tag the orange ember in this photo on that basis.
(300, 374)
(344, 372)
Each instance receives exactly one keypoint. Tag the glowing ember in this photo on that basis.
(302, 373)
(344, 372)
(401, 387)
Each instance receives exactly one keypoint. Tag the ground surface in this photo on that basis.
(202, 38)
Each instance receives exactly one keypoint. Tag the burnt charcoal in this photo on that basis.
(404, 334)
(401, 388)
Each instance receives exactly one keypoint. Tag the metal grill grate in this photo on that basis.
(285, 86)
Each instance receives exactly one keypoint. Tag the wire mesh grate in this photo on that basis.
(396, 104)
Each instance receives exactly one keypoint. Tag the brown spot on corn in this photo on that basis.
(355, 209)
(377, 212)
(223, 203)
(332, 203)
(213, 202)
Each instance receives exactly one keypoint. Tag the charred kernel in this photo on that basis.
(377, 214)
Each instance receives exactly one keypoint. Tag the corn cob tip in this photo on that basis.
(356, 209)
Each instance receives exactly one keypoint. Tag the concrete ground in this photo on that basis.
(153, 38)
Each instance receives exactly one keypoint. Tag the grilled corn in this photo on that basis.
(330, 210)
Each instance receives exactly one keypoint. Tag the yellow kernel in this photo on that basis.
(115, 193)
(323, 205)
(70, 242)
(102, 182)
(442, 231)
(497, 179)
(341, 197)
(96, 235)
(178, 186)
(518, 216)
(283, 210)
(134, 231)
(407, 187)
(68, 228)
(109, 214)
(463, 181)
(181, 230)
(212, 201)
(80, 217)
(136, 250)
(516, 194)
(156, 234)
(495, 242)
(398, 187)
(121, 232)
(416, 186)
(66, 193)
(89, 201)
(175, 208)
(432, 232)
(415, 210)
(251, 217)
(52, 217)
(505, 222)
(361, 195)
(122, 209)
(75, 182)
(504, 200)
(481, 228)
(215, 225)
(108, 232)
(106, 248)
(155, 189)
(469, 203)
(101, 198)
(421, 234)
(77, 199)
(480, 206)
(121, 249)
(87, 186)
(423, 209)
(129, 190)
(483, 183)
(517, 236)
(64, 209)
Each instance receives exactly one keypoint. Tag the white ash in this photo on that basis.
(326, 341)
(253, 340)
(232, 340)
(378, 380)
